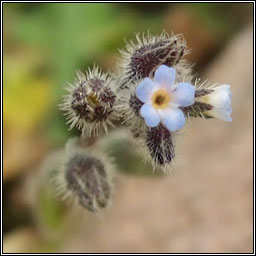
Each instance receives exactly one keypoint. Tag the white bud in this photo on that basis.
(220, 100)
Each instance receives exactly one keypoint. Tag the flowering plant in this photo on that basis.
(152, 92)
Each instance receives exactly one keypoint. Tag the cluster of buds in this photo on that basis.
(159, 94)
(152, 92)
(90, 102)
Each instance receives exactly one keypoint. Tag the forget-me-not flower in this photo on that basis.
(162, 98)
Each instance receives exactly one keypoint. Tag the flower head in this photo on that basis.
(163, 98)
(90, 102)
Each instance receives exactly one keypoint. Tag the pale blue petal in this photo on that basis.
(151, 116)
(225, 113)
(228, 117)
(144, 89)
(173, 119)
(229, 110)
(183, 95)
(165, 76)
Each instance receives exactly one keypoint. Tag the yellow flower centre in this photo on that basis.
(160, 99)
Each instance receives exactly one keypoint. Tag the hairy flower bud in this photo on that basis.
(157, 145)
(84, 177)
(141, 59)
(159, 141)
(90, 102)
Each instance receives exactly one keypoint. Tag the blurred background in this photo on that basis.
(205, 206)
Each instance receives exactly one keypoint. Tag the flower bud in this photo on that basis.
(158, 145)
(90, 102)
(220, 100)
(84, 177)
(141, 59)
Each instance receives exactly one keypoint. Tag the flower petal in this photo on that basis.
(183, 95)
(223, 114)
(173, 119)
(144, 89)
(165, 76)
(151, 116)
(221, 96)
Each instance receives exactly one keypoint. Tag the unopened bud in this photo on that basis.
(142, 58)
(90, 102)
(84, 177)
(158, 145)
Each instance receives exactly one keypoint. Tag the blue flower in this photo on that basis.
(162, 99)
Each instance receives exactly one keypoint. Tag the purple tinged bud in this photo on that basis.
(86, 177)
(160, 145)
(142, 58)
(90, 102)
